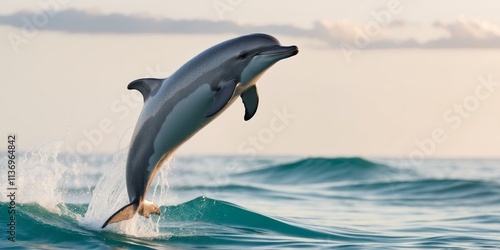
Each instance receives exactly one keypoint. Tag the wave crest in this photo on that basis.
(320, 170)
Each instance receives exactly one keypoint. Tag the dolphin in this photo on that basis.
(177, 107)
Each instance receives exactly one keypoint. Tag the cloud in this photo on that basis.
(463, 33)
(75, 21)
(468, 33)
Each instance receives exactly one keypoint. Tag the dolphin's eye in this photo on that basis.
(242, 56)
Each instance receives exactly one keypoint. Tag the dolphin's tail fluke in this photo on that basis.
(125, 213)
(144, 208)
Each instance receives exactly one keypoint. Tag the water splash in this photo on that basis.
(110, 194)
(43, 168)
(39, 175)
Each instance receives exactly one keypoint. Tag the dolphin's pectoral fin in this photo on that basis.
(125, 213)
(251, 100)
(221, 98)
(148, 208)
(146, 86)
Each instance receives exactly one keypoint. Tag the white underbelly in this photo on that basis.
(184, 120)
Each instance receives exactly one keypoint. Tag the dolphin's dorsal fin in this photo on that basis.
(251, 100)
(146, 86)
(221, 98)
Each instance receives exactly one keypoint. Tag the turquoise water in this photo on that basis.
(259, 202)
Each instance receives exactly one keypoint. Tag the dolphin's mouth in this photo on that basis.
(278, 50)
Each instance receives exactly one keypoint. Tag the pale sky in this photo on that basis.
(373, 78)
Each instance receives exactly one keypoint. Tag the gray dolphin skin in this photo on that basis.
(177, 107)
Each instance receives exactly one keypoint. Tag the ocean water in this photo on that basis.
(241, 202)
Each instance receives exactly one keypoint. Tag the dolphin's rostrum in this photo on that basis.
(177, 107)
